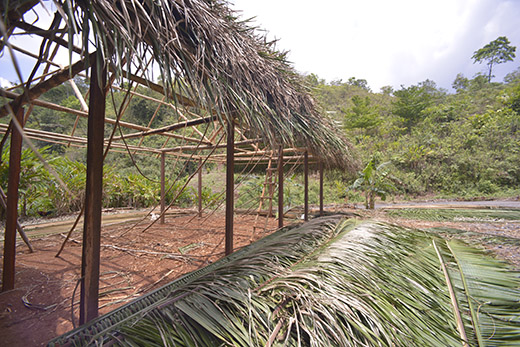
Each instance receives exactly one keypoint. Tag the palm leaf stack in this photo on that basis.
(329, 282)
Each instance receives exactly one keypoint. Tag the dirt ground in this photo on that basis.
(45, 302)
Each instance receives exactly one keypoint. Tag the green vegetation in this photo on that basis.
(326, 283)
(374, 181)
(464, 144)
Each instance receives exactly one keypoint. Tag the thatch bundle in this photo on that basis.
(326, 284)
(205, 53)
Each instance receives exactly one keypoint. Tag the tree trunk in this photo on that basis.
(490, 69)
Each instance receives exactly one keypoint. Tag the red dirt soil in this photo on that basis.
(132, 263)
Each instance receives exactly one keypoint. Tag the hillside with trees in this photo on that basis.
(463, 144)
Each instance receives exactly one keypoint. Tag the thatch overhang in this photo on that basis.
(206, 54)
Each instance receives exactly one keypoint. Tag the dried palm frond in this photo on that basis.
(325, 284)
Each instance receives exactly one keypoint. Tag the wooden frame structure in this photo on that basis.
(279, 132)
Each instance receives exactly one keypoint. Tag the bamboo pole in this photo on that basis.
(51, 106)
(63, 139)
(199, 186)
(200, 148)
(163, 183)
(90, 261)
(168, 128)
(167, 104)
(321, 187)
(54, 81)
(230, 185)
(280, 187)
(306, 186)
(260, 152)
(15, 153)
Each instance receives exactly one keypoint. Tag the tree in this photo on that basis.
(410, 103)
(387, 90)
(460, 83)
(374, 180)
(362, 115)
(361, 83)
(495, 52)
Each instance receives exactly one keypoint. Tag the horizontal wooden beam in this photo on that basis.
(55, 107)
(47, 136)
(200, 148)
(59, 77)
(264, 152)
(31, 29)
(181, 99)
(169, 128)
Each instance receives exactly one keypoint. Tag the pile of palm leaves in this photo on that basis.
(457, 215)
(328, 282)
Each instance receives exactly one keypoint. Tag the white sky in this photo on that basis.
(388, 42)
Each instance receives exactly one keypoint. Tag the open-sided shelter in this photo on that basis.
(211, 67)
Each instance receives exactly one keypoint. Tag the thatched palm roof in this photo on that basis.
(208, 55)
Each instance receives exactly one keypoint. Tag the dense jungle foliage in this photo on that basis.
(415, 141)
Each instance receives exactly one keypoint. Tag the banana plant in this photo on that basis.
(374, 181)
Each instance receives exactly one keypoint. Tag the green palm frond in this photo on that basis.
(328, 282)
(457, 214)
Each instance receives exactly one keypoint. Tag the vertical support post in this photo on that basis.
(199, 186)
(230, 185)
(163, 183)
(92, 225)
(15, 154)
(321, 187)
(280, 187)
(306, 186)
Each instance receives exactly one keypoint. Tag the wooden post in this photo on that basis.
(15, 154)
(321, 187)
(306, 186)
(280, 187)
(230, 185)
(92, 225)
(163, 183)
(199, 176)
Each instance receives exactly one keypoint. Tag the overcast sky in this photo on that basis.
(397, 42)
(386, 42)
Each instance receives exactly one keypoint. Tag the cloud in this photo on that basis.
(5, 83)
(387, 42)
